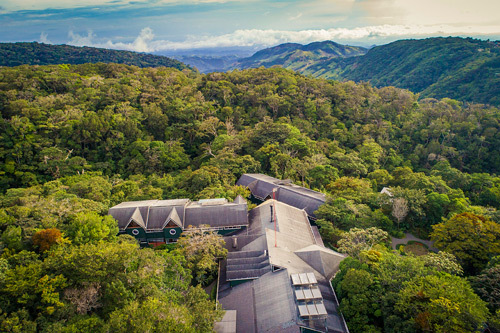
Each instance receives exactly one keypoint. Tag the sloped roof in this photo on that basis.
(227, 324)
(246, 265)
(239, 200)
(274, 303)
(294, 248)
(159, 216)
(300, 197)
(155, 214)
(122, 215)
(247, 178)
(137, 218)
(217, 215)
(323, 260)
(174, 217)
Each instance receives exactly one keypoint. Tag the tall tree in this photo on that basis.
(472, 238)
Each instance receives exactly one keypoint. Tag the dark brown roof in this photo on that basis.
(300, 197)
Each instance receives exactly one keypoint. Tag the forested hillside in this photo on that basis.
(15, 54)
(299, 57)
(460, 68)
(78, 139)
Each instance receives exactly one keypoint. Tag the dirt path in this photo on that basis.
(208, 289)
(409, 237)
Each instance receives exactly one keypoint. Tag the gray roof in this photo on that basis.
(294, 247)
(300, 197)
(274, 302)
(324, 260)
(231, 298)
(243, 265)
(239, 200)
(218, 214)
(149, 214)
(159, 216)
(155, 214)
(227, 324)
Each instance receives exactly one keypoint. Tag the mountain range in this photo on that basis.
(464, 69)
(299, 57)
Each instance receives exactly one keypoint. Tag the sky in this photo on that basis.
(160, 25)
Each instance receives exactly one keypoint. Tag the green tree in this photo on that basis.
(437, 205)
(472, 238)
(370, 152)
(442, 303)
(152, 315)
(356, 240)
(355, 189)
(487, 286)
(202, 249)
(90, 227)
(12, 238)
(443, 262)
(360, 303)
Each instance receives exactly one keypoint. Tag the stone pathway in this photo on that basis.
(409, 237)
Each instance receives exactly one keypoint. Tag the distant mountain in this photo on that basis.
(208, 64)
(461, 68)
(465, 69)
(211, 59)
(15, 54)
(299, 57)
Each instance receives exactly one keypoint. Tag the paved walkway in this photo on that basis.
(409, 237)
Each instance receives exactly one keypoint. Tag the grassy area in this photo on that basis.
(416, 248)
(413, 247)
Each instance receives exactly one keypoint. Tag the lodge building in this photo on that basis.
(262, 186)
(154, 222)
(277, 274)
(276, 277)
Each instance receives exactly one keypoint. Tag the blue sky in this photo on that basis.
(157, 25)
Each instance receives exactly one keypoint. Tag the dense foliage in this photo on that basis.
(79, 139)
(64, 269)
(385, 292)
(15, 54)
(461, 68)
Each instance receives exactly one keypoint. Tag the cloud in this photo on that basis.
(140, 44)
(296, 17)
(254, 37)
(44, 39)
(79, 40)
